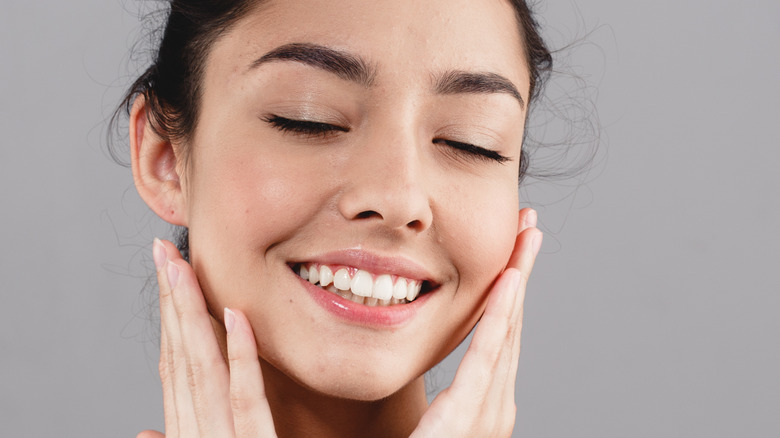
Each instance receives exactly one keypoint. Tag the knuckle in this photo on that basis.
(488, 353)
(179, 306)
(194, 375)
(240, 403)
(165, 291)
(199, 371)
(235, 356)
(162, 367)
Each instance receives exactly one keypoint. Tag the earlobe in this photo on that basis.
(155, 169)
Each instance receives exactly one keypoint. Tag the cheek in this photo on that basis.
(259, 191)
(480, 234)
(245, 202)
(488, 220)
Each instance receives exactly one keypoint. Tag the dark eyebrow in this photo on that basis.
(344, 65)
(456, 81)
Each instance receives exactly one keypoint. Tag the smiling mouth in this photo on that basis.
(361, 286)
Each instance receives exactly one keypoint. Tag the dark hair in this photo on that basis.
(172, 84)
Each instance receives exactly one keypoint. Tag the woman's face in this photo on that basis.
(337, 133)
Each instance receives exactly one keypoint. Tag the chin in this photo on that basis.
(359, 388)
(353, 380)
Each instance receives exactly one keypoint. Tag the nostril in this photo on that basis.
(368, 214)
(415, 225)
(391, 220)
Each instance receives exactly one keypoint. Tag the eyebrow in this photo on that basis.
(353, 68)
(344, 65)
(457, 81)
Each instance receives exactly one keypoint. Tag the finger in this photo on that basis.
(525, 239)
(499, 328)
(484, 382)
(207, 372)
(527, 218)
(486, 377)
(471, 402)
(180, 420)
(510, 351)
(476, 372)
(527, 244)
(150, 434)
(169, 403)
(251, 411)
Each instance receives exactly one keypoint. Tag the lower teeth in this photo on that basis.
(368, 301)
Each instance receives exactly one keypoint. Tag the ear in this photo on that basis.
(155, 168)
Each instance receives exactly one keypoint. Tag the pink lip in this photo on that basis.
(372, 316)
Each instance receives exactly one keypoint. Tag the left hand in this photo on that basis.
(481, 400)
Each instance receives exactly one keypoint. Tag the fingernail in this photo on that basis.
(173, 275)
(230, 320)
(536, 244)
(159, 253)
(531, 218)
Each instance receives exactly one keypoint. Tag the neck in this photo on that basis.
(299, 411)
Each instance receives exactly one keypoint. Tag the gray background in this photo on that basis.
(653, 311)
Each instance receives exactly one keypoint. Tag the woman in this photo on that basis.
(347, 175)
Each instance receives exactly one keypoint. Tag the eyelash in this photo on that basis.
(476, 151)
(304, 127)
(323, 130)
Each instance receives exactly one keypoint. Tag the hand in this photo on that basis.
(202, 397)
(481, 400)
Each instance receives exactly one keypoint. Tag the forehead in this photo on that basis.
(403, 38)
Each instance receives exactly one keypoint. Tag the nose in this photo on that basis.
(386, 186)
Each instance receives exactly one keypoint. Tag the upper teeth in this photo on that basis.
(362, 283)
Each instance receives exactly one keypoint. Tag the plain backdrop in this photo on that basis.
(654, 307)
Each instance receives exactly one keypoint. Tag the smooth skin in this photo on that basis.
(205, 396)
(391, 182)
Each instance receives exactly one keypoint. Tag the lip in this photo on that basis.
(360, 314)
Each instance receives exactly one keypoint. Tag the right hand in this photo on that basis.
(203, 396)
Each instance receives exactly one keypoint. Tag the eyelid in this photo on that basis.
(314, 128)
(273, 118)
(475, 151)
(310, 109)
(306, 128)
(475, 139)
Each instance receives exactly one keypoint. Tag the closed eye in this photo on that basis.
(321, 129)
(304, 127)
(476, 151)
